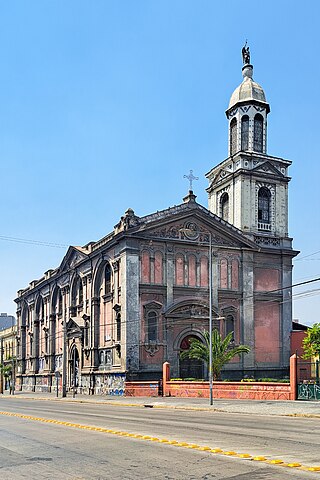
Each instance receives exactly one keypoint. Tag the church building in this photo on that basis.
(116, 309)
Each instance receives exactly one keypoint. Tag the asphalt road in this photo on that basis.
(33, 449)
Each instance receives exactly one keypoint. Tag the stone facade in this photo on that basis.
(116, 309)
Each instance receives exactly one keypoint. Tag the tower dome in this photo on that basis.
(248, 90)
(247, 113)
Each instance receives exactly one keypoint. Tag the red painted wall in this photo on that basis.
(296, 342)
(304, 366)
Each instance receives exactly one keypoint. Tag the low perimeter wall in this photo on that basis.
(142, 389)
(230, 390)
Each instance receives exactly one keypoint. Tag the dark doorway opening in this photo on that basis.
(189, 367)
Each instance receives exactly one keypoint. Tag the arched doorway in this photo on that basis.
(189, 367)
(74, 368)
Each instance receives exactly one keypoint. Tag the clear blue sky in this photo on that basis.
(106, 105)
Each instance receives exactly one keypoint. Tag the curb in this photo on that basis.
(164, 406)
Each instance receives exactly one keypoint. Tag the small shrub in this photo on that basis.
(275, 380)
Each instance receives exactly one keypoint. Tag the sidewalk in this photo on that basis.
(253, 407)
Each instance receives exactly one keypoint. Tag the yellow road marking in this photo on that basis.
(194, 446)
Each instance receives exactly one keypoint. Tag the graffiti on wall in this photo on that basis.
(110, 384)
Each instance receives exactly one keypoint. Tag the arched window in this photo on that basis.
(258, 133)
(233, 136)
(107, 278)
(245, 133)
(152, 327)
(230, 326)
(118, 327)
(264, 205)
(224, 206)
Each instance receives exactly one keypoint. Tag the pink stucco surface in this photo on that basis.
(145, 267)
(158, 268)
(204, 272)
(267, 341)
(235, 274)
(224, 274)
(192, 279)
(266, 279)
(179, 270)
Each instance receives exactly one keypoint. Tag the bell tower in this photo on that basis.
(250, 188)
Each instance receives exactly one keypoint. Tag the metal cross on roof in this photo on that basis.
(191, 177)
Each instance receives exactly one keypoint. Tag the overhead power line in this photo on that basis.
(32, 242)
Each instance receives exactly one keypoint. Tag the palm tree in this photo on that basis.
(222, 350)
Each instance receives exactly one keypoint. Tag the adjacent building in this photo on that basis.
(117, 308)
(8, 349)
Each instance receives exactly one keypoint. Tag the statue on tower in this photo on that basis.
(246, 54)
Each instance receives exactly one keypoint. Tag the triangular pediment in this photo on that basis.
(267, 167)
(221, 174)
(75, 325)
(195, 224)
(73, 257)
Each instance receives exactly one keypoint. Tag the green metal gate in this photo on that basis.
(308, 379)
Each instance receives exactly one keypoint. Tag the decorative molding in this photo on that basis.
(152, 306)
(190, 311)
(267, 241)
(259, 109)
(232, 112)
(245, 108)
(129, 220)
(151, 348)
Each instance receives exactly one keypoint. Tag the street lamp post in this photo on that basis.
(188, 230)
(210, 320)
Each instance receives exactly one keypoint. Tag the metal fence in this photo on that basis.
(308, 379)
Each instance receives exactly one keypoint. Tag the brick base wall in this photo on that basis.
(141, 389)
